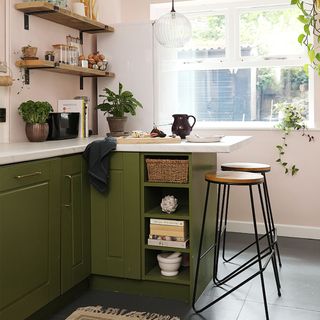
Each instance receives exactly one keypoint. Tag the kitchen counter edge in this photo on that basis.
(27, 151)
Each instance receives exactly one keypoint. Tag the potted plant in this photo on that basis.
(117, 105)
(292, 117)
(35, 114)
(29, 52)
(309, 17)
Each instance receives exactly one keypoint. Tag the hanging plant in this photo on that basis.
(309, 17)
(293, 117)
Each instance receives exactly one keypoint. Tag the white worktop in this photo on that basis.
(26, 151)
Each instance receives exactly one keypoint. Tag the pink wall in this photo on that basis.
(44, 85)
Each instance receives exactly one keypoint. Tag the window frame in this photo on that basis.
(233, 58)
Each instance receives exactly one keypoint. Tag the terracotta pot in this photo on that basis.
(5, 81)
(37, 132)
(116, 126)
(29, 52)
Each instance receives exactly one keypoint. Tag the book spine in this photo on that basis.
(168, 233)
(169, 238)
(165, 243)
(167, 222)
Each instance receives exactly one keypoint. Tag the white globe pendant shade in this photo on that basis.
(173, 30)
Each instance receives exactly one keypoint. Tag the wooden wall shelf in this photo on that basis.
(61, 16)
(60, 68)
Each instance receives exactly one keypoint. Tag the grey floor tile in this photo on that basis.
(300, 279)
(255, 311)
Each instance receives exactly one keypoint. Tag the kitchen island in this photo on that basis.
(26, 151)
(68, 231)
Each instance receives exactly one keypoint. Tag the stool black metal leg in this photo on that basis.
(225, 226)
(216, 253)
(270, 216)
(258, 253)
(218, 233)
(270, 241)
(200, 247)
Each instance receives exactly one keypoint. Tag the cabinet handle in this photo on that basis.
(38, 173)
(70, 191)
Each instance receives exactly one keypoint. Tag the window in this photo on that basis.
(240, 62)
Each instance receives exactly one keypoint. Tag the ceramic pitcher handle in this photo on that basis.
(194, 120)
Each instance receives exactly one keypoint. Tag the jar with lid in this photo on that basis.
(61, 52)
(73, 55)
(49, 55)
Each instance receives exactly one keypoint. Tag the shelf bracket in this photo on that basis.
(81, 37)
(81, 82)
(26, 76)
(26, 21)
(26, 16)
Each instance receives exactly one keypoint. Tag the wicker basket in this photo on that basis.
(167, 170)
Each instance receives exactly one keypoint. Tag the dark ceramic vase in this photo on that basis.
(181, 126)
(37, 132)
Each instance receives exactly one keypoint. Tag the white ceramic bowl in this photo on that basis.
(169, 265)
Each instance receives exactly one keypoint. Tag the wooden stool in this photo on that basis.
(224, 180)
(255, 168)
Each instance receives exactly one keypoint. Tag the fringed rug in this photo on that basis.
(100, 313)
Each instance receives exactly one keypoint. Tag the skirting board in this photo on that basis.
(283, 229)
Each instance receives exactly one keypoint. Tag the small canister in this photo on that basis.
(49, 55)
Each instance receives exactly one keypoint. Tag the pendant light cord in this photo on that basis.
(172, 10)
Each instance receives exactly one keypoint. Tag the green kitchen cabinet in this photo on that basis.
(75, 222)
(29, 237)
(115, 220)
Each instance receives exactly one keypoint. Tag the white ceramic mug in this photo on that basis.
(78, 8)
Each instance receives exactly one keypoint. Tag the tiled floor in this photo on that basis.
(300, 280)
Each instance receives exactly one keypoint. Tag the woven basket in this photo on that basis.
(167, 170)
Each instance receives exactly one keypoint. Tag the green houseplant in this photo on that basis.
(35, 114)
(309, 17)
(117, 105)
(292, 117)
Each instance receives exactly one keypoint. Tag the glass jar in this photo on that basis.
(61, 53)
(73, 55)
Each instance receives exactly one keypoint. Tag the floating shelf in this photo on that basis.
(62, 68)
(61, 16)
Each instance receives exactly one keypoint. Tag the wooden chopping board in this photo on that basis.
(131, 140)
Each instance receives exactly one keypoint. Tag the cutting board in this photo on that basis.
(131, 140)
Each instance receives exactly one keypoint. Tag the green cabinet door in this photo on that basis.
(29, 237)
(75, 222)
(115, 220)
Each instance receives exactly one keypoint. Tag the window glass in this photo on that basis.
(270, 32)
(232, 88)
(208, 37)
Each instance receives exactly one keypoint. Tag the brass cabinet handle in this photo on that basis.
(70, 191)
(38, 173)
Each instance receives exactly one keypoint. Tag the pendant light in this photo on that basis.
(173, 30)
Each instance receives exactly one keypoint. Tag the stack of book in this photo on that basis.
(168, 233)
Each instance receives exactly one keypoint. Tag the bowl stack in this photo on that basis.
(169, 263)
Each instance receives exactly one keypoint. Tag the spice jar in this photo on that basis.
(49, 55)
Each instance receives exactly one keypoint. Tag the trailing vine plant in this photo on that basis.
(309, 17)
(293, 117)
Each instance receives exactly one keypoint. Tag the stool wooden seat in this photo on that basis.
(246, 167)
(234, 178)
